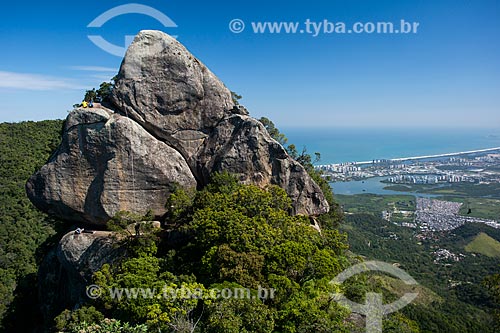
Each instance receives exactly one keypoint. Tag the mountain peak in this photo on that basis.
(173, 122)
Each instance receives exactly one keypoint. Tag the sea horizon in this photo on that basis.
(340, 145)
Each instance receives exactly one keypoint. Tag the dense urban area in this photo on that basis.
(449, 190)
(436, 215)
(477, 166)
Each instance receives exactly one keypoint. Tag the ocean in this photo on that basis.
(338, 145)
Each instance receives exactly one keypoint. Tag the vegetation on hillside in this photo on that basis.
(485, 245)
(24, 148)
(232, 236)
(462, 189)
(235, 236)
(463, 303)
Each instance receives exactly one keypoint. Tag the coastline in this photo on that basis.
(343, 145)
(400, 159)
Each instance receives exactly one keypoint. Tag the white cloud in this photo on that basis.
(94, 69)
(101, 77)
(29, 81)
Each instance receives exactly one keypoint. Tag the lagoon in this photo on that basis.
(370, 185)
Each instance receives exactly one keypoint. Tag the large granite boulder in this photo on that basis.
(162, 86)
(173, 123)
(107, 163)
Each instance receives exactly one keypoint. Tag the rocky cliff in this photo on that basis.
(67, 269)
(172, 122)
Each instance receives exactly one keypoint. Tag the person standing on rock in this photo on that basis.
(137, 229)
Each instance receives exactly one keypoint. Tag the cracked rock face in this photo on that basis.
(242, 145)
(107, 163)
(162, 86)
(67, 269)
(173, 123)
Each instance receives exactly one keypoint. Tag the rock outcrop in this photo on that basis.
(173, 123)
(67, 269)
(163, 87)
(107, 163)
(242, 145)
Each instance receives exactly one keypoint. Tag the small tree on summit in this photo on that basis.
(102, 94)
(105, 90)
(235, 98)
(273, 131)
(90, 95)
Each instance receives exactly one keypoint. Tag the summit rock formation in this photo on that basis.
(172, 123)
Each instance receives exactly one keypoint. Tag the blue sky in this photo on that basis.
(445, 75)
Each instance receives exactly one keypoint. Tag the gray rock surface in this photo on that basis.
(83, 254)
(174, 122)
(67, 269)
(162, 86)
(107, 163)
(242, 145)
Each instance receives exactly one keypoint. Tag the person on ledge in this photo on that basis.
(137, 229)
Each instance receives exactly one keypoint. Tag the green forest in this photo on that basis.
(229, 236)
(464, 302)
(24, 231)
